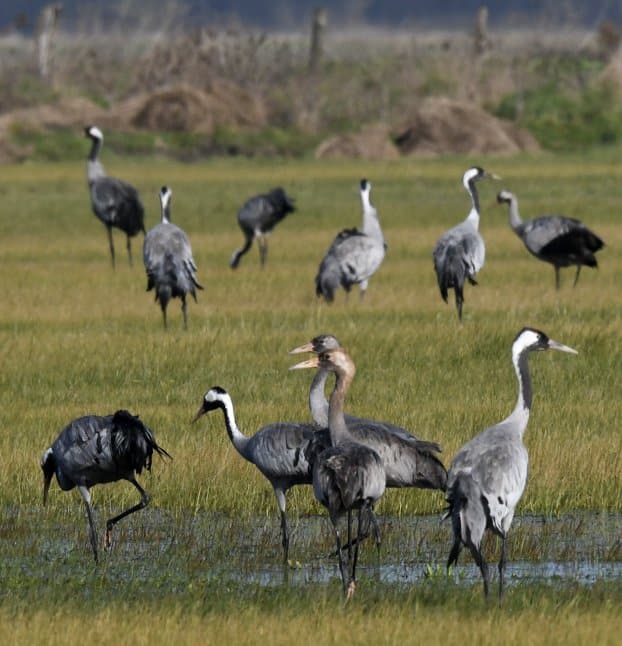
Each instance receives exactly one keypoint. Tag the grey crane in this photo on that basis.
(460, 252)
(116, 203)
(348, 475)
(488, 475)
(354, 255)
(408, 461)
(167, 255)
(277, 450)
(556, 239)
(257, 217)
(97, 449)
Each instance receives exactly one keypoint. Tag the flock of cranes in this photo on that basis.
(353, 257)
(349, 461)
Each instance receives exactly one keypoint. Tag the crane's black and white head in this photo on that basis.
(165, 202)
(318, 344)
(475, 174)
(216, 397)
(532, 340)
(48, 466)
(365, 186)
(94, 133)
(505, 197)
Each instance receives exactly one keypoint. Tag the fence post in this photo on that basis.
(46, 29)
(316, 49)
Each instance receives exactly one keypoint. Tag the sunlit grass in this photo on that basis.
(77, 338)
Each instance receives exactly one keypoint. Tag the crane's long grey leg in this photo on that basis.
(556, 277)
(281, 502)
(576, 276)
(352, 583)
(129, 250)
(455, 551)
(111, 244)
(459, 300)
(502, 566)
(184, 308)
(86, 495)
(262, 242)
(238, 253)
(349, 538)
(375, 529)
(338, 540)
(482, 565)
(113, 521)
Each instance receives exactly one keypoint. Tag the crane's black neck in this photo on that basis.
(474, 195)
(96, 145)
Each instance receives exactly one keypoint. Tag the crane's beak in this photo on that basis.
(199, 414)
(554, 345)
(314, 362)
(488, 175)
(307, 347)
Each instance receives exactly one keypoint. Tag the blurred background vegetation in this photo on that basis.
(183, 80)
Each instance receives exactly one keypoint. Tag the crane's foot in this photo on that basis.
(350, 590)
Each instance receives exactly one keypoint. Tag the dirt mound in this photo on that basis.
(373, 142)
(183, 108)
(443, 126)
(67, 113)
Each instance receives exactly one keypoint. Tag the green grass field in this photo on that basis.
(77, 337)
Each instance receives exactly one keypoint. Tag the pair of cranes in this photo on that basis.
(349, 465)
(459, 253)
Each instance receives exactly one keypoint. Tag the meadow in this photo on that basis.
(77, 337)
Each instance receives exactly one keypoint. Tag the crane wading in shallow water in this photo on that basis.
(556, 239)
(460, 252)
(277, 450)
(257, 217)
(488, 475)
(169, 264)
(348, 475)
(408, 461)
(95, 450)
(355, 254)
(114, 202)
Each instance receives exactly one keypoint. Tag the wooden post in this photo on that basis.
(482, 43)
(46, 28)
(316, 50)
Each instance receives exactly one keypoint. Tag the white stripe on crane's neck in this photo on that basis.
(238, 439)
(165, 202)
(520, 352)
(468, 181)
(365, 196)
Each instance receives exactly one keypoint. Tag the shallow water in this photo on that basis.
(175, 551)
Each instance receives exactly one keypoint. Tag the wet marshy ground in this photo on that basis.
(171, 552)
